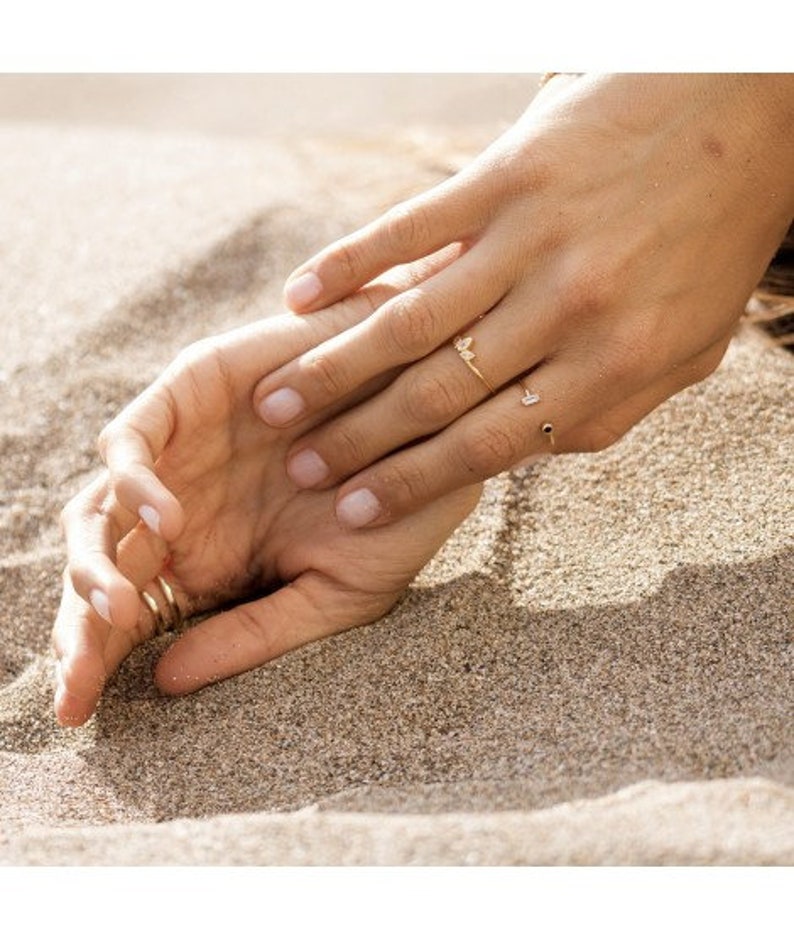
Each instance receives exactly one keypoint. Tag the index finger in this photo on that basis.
(129, 446)
(409, 231)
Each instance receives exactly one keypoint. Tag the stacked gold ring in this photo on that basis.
(175, 619)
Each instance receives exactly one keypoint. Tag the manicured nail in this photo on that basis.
(151, 517)
(358, 508)
(281, 406)
(303, 290)
(307, 468)
(100, 604)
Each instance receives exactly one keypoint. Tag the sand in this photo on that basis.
(597, 667)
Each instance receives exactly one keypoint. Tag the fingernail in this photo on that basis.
(303, 290)
(307, 468)
(358, 508)
(281, 406)
(100, 604)
(151, 517)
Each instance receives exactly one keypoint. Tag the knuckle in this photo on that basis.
(525, 169)
(345, 446)
(324, 375)
(431, 401)
(257, 629)
(187, 357)
(80, 571)
(407, 227)
(411, 324)
(120, 482)
(407, 483)
(346, 256)
(588, 293)
(489, 450)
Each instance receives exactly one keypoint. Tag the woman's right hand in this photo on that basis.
(223, 524)
(612, 239)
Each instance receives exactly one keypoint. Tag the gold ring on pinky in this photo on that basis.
(463, 347)
(175, 620)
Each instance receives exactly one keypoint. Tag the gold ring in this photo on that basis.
(175, 619)
(170, 597)
(463, 347)
(152, 605)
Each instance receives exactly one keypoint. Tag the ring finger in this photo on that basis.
(424, 398)
(570, 409)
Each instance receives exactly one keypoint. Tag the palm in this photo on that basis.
(248, 527)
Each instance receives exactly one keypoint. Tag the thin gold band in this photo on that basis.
(176, 612)
(463, 348)
(152, 605)
(175, 620)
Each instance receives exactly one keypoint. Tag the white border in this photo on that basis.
(403, 36)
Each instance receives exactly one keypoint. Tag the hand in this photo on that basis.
(607, 245)
(190, 457)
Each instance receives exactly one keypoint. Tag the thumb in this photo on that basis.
(234, 641)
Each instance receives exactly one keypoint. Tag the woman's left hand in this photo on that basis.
(196, 491)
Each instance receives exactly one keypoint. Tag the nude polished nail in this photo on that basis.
(151, 517)
(358, 508)
(281, 407)
(100, 603)
(307, 468)
(303, 290)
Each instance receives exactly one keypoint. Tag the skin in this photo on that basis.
(226, 525)
(607, 245)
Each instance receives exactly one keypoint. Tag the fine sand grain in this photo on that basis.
(596, 669)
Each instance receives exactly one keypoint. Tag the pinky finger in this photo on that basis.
(78, 639)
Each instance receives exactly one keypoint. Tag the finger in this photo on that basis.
(450, 212)
(93, 525)
(423, 399)
(251, 634)
(88, 649)
(130, 445)
(79, 637)
(403, 330)
(565, 408)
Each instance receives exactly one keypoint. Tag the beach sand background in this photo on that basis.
(595, 670)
